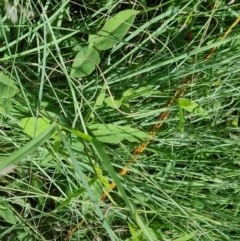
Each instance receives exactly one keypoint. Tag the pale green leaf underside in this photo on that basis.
(109, 133)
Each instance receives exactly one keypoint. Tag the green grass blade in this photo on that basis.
(28, 148)
(86, 185)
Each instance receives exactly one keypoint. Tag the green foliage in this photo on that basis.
(6, 213)
(192, 107)
(30, 147)
(33, 126)
(7, 87)
(186, 237)
(81, 87)
(114, 134)
(114, 30)
(85, 62)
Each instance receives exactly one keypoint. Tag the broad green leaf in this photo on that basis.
(187, 105)
(97, 189)
(109, 133)
(91, 39)
(114, 30)
(192, 107)
(6, 107)
(154, 233)
(186, 237)
(117, 103)
(34, 126)
(103, 179)
(30, 147)
(234, 122)
(85, 62)
(134, 233)
(57, 143)
(7, 87)
(6, 213)
(137, 235)
(142, 91)
(78, 133)
(23, 235)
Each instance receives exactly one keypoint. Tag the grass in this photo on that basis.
(72, 119)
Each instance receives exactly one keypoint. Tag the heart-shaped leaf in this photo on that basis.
(34, 126)
(85, 62)
(114, 30)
